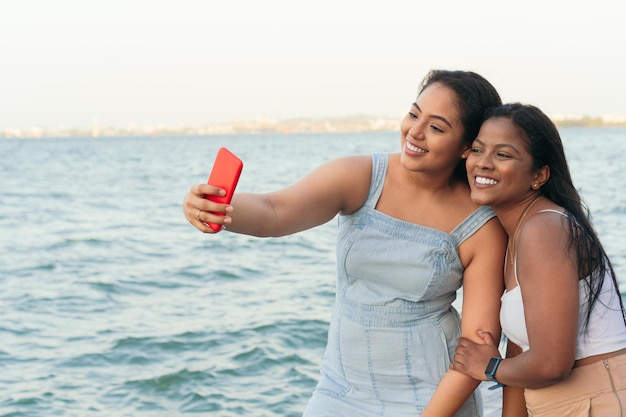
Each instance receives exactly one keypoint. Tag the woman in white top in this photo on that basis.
(561, 311)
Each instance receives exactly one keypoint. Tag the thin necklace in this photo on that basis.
(519, 224)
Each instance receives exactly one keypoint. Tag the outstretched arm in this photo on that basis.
(339, 186)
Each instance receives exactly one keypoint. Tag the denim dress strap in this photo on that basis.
(380, 161)
(471, 224)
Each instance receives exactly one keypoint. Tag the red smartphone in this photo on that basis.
(224, 174)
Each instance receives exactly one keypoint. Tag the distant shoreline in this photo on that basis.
(359, 123)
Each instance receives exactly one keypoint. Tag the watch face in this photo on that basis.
(490, 372)
(492, 367)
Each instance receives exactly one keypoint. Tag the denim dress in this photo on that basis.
(393, 330)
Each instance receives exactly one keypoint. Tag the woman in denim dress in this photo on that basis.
(409, 236)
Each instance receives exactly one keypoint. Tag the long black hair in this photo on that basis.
(544, 144)
(474, 96)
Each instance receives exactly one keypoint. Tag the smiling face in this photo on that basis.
(500, 166)
(432, 132)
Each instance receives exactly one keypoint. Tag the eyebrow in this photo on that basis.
(443, 119)
(498, 146)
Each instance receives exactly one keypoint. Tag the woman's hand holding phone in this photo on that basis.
(205, 205)
(201, 211)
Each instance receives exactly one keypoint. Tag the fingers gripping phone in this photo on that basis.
(224, 174)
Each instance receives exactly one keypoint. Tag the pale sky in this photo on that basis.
(67, 63)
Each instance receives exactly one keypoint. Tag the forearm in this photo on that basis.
(253, 215)
(452, 392)
(531, 371)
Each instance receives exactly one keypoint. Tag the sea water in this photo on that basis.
(113, 305)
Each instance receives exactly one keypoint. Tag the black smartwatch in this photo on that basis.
(490, 372)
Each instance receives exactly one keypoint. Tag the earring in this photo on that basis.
(534, 186)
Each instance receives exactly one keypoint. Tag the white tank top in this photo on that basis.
(605, 332)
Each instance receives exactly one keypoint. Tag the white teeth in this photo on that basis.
(414, 148)
(485, 181)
